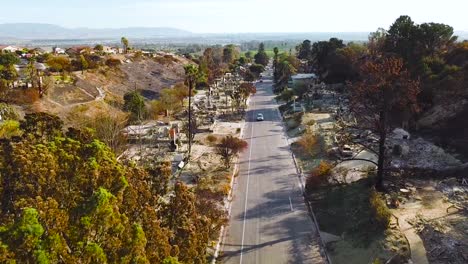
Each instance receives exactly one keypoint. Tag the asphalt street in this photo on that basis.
(269, 221)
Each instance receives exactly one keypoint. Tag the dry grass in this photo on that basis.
(24, 96)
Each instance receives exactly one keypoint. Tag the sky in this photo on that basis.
(229, 16)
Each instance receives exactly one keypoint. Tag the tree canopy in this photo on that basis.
(64, 198)
(261, 57)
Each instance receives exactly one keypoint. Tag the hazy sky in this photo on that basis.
(219, 16)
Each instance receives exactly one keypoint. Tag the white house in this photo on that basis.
(109, 50)
(57, 50)
(306, 78)
(9, 48)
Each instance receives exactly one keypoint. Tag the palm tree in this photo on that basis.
(191, 73)
(275, 64)
(124, 42)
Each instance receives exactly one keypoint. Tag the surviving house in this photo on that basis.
(76, 51)
(303, 78)
(9, 48)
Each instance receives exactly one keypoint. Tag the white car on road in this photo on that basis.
(260, 117)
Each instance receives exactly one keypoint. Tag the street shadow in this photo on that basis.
(291, 226)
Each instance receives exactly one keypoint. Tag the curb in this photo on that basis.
(228, 199)
(300, 175)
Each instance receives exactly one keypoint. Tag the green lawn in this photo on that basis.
(59, 78)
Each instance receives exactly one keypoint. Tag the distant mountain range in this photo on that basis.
(32, 31)
(48, 34)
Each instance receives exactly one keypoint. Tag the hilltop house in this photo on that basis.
(57, 50)
(37, 51)
(109, 50)
(9, 48)
(76, 51)
(21, 69)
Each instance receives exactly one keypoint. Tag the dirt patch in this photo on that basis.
(69, 94)
(227, 128)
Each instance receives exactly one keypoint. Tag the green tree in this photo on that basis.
(323, 51)
(286, 95)
(230, 54)
(9, 128)
(257, 69)
(191, 233)
(286, 67)
(7, 112)
(171, 100)
(435, 38)
(134, 103)
(304, 50)
(125, 44)
(99, 48)
(25, 238)
(275, 64)
(191, 73)
(83, 63)
(59, 64)
(8, 59)
(261, 57)
(41, 125)
(400, 38)
(8, 75)
(77, 204)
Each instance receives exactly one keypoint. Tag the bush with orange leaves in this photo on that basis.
(23, 96)
(309, 144)
(318, 175)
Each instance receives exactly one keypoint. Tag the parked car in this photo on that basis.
(260, 117)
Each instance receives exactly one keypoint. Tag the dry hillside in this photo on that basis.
(103, 89)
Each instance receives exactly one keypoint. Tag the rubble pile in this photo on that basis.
(424, 155)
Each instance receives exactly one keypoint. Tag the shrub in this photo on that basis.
(310, 122)
(9, 128)
(318, 175)
(228, 148)
(379, 209)
(308, 143)
(298, 117)
(226, 188)
(24, 96)
(7, 112)
(211, 139)
(112, 62)
(291, 124)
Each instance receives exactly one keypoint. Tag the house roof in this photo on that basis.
(77, 48)
(304, 76)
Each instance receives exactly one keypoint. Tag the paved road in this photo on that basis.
(269, 220)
